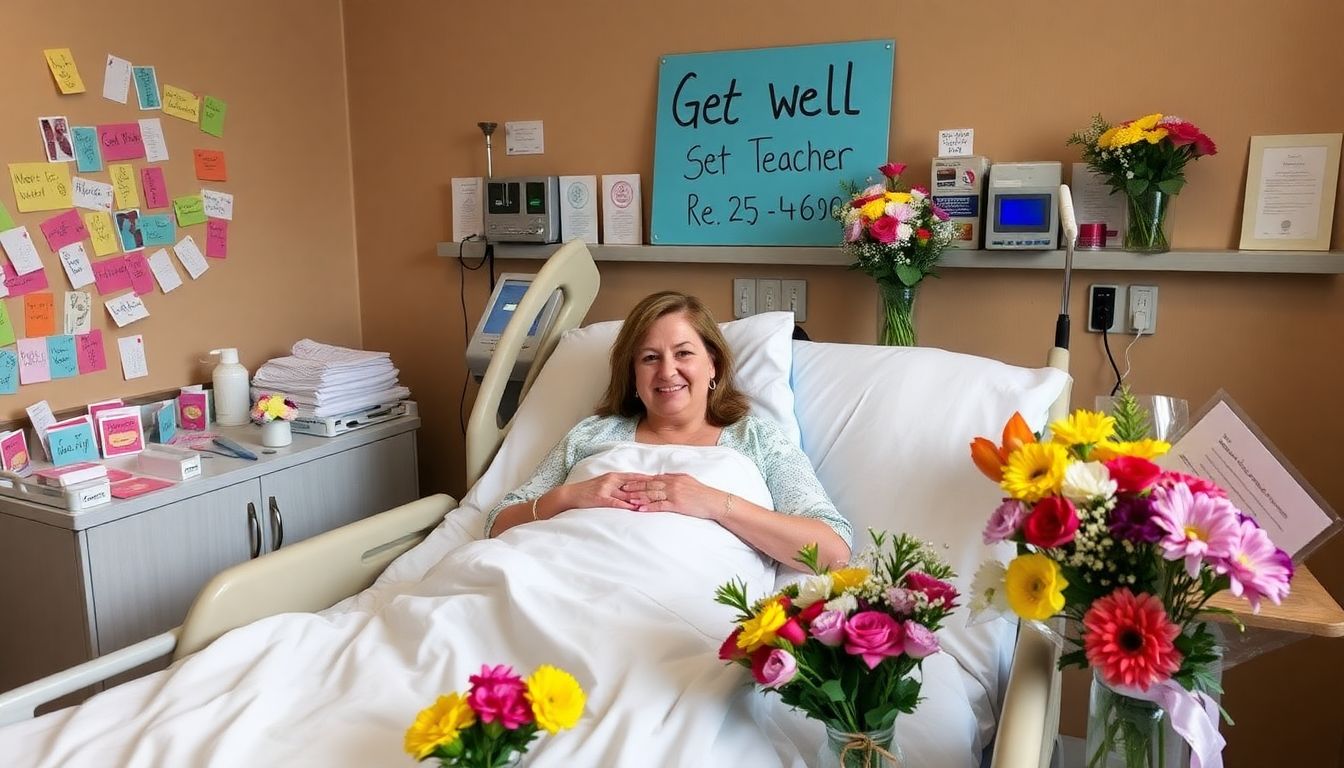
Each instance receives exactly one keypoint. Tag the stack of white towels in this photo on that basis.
(325, 381)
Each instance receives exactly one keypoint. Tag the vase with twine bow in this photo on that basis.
(870, 749)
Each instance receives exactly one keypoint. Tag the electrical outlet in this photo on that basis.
(1102, 302)
(768, 298)
(744, 297)
(794, 293)
(1143, 309)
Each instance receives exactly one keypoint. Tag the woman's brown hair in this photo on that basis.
(726, 403)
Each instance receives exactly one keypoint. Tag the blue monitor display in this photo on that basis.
(1022, 213)
(509, 295)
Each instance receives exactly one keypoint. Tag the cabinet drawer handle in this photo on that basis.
(277, 523)
(254, 529)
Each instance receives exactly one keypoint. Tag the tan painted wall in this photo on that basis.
(291, 266)
(423, 73)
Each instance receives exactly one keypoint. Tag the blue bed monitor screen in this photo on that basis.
(1022, 213)
(509, 295)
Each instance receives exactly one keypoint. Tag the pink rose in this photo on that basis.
(498, 694)
(892, 170)
(873, 636)
(1195, 483)
(854, 230)
(773, 667)
(919, 641)
(883, 230)
(1004, 522)
(829, 628)
(792, 631)
(936, 590)
(1052, 523)
(1132, 474)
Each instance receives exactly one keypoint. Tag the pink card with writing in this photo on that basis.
(135, 485)
(217, 238)
(99, 407)
(121, 141)
(18, 285)
(154, 187)
(191, 411)
(34, 365)
(142, 279)
(89, 351)
(111, 275)
(120, 432)
(14, 452)
(63, 229)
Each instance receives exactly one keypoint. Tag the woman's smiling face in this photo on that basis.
(673, 370)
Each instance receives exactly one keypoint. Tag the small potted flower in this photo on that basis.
(274, 412)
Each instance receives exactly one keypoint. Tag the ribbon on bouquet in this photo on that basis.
(1194, 716)
(868, 749)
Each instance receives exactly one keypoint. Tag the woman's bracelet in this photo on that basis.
(534, 508)
(727, 506)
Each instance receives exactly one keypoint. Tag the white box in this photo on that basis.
(169, 463)
(958, 188)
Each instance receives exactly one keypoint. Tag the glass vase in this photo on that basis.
(870, 749)
(898, 314)
(1149, 226)
(1124, 732)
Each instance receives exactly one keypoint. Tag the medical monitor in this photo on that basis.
(504, 301)
(1022, 212)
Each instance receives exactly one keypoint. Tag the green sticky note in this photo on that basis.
(190, 210)
(212, 116)
(6, 223)
(6, 327)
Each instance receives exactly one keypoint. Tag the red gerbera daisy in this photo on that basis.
(1129, 639)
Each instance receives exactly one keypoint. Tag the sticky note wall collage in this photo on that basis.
(95, 198)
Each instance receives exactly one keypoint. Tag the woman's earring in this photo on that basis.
(713, 385)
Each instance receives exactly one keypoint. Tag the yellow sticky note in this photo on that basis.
(181, 103)
(40, 186)
(63, 68)
(124, 189)
(100, 229)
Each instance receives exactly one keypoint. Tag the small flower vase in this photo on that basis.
(1149, 228)
(871, 749)
(276, 434)
(898, 314)
(1124, 732)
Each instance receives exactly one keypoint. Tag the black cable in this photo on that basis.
(1105, 342)
(462, 268)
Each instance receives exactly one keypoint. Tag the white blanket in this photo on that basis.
(624, 601)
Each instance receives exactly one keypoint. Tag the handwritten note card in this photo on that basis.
(156, 146)
(190, 210)
(22, 253)
(89, 350)
(40, 415)
(18, 285)
(190, 255)
(77, 266)
(142, 282)
(111, 275)
(9, 372)
(956, 142)
(126, 309)
(40, 186)
(218, 205)
(121, 141)
(210, 165)
(34, 367)
(121, 431)
(164, 271)
(158, 229)
(63, 229)
(61, 354)
(124, 188)
(39, 314)
(116, 79)
(156, 189)
(87, 157)
(217, 238)
(73, 443)
(134, 364)
(212, 116)
(101, 233)
(7, 334)
(62, 65)
(91, 195)
(181, 103)
(147, 87)
(78, 312)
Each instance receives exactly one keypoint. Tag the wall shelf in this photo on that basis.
(1270, 262)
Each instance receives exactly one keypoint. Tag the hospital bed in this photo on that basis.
(1004, 684)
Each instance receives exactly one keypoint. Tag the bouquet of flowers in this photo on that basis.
(500, 716)
(843, 645)
(1130, 554)
(270, 407)
(896, 238)
(1145, 159)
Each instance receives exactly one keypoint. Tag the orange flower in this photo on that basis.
(990, 458)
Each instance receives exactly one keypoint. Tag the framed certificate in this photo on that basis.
(1290, 192)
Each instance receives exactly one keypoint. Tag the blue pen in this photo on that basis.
(235, 449)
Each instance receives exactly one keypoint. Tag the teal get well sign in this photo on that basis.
(752, 145)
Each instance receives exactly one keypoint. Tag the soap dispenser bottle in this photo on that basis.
(232, 398)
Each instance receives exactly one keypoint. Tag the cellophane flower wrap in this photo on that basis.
(1128, 552)
(844, 645)
(1150, 151)
(271, 407)
(894, 236)
(497, 718)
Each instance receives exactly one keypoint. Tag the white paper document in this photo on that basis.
(218, 205)
(468, 216)
(164, 271)
(190, 255)
(91, 195)
(116, 79)
(134, 365)
(151, 135)
(956, 142)
(40, 414)
(20, 250)
(77, 266)
(1224, 448)
(1093, 202)
(524, 137)
(622, 220)
(1291, 183)
(126, 309)
(78, 312)
(578, 209)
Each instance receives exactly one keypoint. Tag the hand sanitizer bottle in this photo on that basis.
(232, 399)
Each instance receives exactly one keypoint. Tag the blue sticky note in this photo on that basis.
(9, 371)
(158, 228)
(147, 87)
(71, 444)
(167, 421)
(61, 357)
(88, 158)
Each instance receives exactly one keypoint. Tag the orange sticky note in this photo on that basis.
(39, 315)
(210, 165)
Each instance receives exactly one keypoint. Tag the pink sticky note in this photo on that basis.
(111, 275)
(142, 279)
(217, 238)
(34, 367)
(121, 141)
(18, 285)
(63, 229)
(89, 351)
(154, 187)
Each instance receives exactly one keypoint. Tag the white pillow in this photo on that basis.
(570, 384)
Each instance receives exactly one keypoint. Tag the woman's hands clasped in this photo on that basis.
(606, 490)
(674, 492)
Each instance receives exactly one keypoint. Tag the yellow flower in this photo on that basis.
(898, 197)
(276, 408)
(438, 725)
(874, 209)
(1152, 137)
(1104, 141)
(760, 629)
(1147, 122)
(1146, 448)
(1034, 586)
(1125, 136)
(848, 577)
(1083, 428)
(557, 700)
(1035, 470)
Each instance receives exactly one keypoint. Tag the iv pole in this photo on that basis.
(488, 129)
(1058, 356)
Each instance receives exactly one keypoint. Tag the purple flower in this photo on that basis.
(829, 628)
(919, 641)
(1195, 526)
(1005, 521)
(1132, 519)
(854, 230)
(1256, 567)
(940, 214)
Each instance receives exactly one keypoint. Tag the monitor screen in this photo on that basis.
(510, 293)
(1022, 213)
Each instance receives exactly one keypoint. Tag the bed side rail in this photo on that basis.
(572, 271)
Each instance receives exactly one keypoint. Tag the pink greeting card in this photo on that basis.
(117, 475)
(137, 485)
(89, 351)
(111, 275)
(121, 432)
(142, 279)
(63, 229)
(216, 238)
(121, 141)
(98, 408)
(34, 365)
(192, 411)
(14, 452)
(18, 285)
(154, 187)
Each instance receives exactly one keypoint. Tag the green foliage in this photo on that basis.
(1131, 420)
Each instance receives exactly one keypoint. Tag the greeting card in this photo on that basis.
(121, 432)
